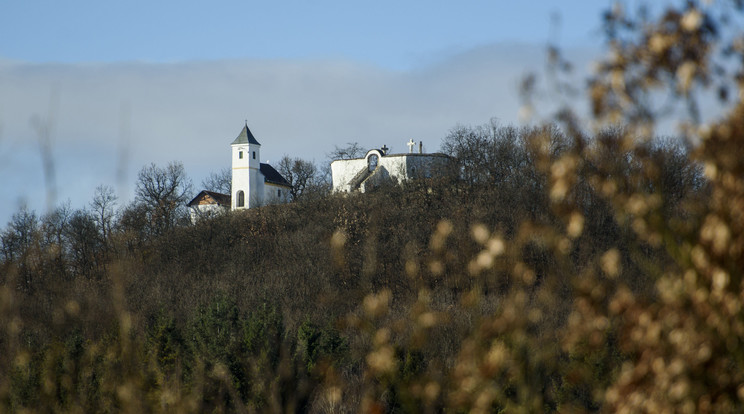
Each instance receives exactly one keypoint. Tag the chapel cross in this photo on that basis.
(410, 146)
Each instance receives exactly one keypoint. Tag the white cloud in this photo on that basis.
(191, 111)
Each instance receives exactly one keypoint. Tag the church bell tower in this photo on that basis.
(246, 164)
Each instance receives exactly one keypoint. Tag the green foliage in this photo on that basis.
(315, 345)
(262, 333)
(167, 345)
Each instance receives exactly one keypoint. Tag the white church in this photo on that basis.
(254, 183)
(379, 166)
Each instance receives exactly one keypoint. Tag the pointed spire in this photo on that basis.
(245, 136)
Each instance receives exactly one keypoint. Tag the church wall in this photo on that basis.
(398, 167)
(205, 210)
(243, 178)
(395, 167)
(425, 166)
(256, 198)
(380, 175)
(246, 175)
(271, 195)
(343, 171)
(240, 174)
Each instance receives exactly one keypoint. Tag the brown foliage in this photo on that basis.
(552, 271)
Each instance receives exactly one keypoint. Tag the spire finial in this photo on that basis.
(246, 123)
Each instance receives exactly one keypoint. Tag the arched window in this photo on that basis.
(241, 199)
(254, 155)
(240, 154)
(372, 162)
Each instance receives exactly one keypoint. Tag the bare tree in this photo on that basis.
(54, 238)
(132, 226)
(102, 207)
(53, 225)
(84, 243)
(19, 243)
(18, 237)
(164, 191)
(351, 150)
(302, 175)
(219, 182)
(467, 145)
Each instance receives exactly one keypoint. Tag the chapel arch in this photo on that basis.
(373, 159)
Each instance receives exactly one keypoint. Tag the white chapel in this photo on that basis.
(379, 166)
(254, 183)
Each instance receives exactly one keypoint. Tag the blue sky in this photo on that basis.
(390, 34)
(123, 84)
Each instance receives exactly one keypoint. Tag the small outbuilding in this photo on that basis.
(207, 204)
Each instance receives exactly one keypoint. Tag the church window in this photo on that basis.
(254, 155)
(240, 154)
(278, 193)
(241, 199)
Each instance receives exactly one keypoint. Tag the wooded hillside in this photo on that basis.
(550, 270)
